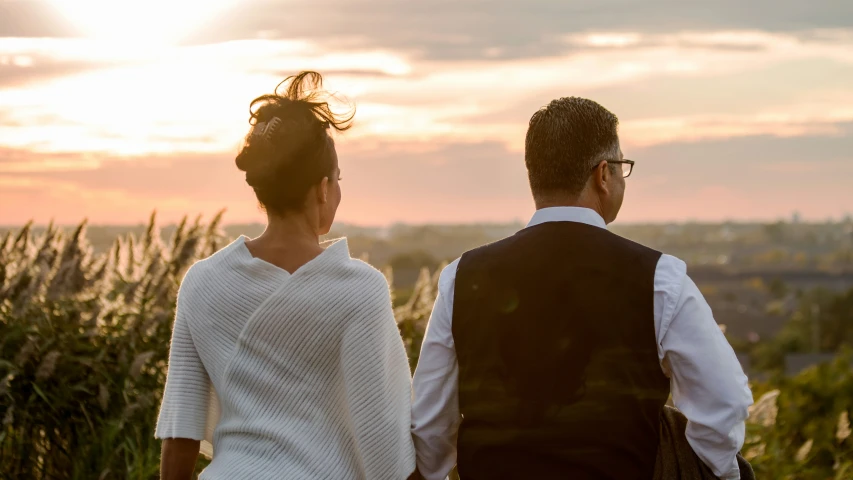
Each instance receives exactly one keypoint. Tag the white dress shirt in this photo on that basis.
(707, 382)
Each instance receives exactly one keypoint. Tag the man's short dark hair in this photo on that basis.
(565, 140)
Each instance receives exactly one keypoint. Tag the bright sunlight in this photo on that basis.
(140, 23)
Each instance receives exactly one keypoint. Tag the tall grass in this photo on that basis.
(83, 349)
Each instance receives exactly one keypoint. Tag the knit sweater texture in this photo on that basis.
(298, 376)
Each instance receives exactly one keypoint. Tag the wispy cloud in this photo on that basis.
(818, 118)
(193, 99)
(500, 30)
(33, 18)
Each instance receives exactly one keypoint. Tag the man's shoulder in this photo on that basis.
(447, 278)
(487, 247)
(670, 274)
(631, 245)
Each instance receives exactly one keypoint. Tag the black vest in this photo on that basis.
(558, 367)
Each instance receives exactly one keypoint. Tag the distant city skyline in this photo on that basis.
(171, 222)
(733, 111)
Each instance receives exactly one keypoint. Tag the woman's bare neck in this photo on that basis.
(287, 243)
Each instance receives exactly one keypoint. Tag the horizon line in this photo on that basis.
(847, 218)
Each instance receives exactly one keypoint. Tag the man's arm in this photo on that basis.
(708, 383)
(435, 407)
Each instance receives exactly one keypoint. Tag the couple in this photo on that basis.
(549, 354)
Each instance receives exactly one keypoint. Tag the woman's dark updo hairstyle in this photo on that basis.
(284, 158)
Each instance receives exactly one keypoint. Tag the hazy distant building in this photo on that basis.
(797, 362)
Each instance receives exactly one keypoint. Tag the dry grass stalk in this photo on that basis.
(9, 418)
(764, 411)
(48, 365)
(804, 450)
(138, 363)
(103, 396)
(842, 431)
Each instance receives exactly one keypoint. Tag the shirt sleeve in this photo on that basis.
(708, 383)
(435, 409)
(184, 410)
(378, 387)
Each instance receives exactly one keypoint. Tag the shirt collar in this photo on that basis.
(567, 214)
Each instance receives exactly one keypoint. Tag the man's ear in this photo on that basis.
(323, 191)
(601, 176)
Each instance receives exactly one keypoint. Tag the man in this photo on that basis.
(550, 354)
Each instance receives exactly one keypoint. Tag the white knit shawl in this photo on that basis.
(289, 376)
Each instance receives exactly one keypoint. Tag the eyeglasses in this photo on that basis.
(627, 166)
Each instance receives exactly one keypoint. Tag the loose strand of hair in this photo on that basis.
(312, 99)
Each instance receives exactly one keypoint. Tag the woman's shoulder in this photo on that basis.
(364, 294)
(352, 269)
(366, 274)
(357, 281)
(210, 267)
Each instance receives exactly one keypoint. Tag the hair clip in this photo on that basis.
(266, 130)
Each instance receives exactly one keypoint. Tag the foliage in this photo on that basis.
(83, 349)
(799, 428)
(413, 315)
(822, 322)
(84, 346)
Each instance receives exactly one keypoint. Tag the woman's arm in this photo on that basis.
(378, 384)
(178, 457)
(186, 399)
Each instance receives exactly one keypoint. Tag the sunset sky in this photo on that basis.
(732, 109)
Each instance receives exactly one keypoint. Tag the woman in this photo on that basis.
(288, 353)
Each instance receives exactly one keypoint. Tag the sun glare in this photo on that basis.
(144, 23)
